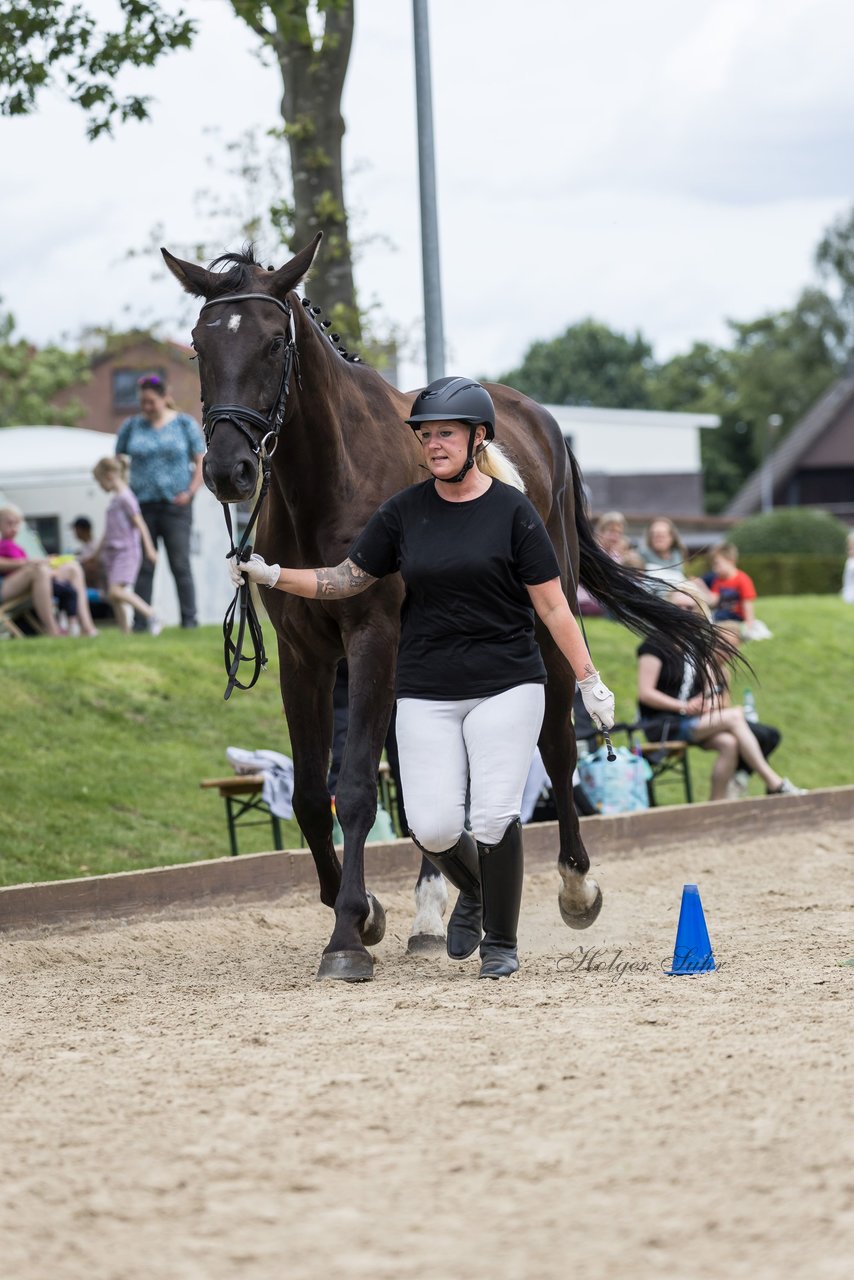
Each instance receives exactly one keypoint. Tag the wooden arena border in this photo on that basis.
(73, 904)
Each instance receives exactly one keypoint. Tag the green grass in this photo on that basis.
(104, 745)
(104, 742)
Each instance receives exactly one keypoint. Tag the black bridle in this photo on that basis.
(270, 426)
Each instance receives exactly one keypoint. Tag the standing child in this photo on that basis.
(848, 574)
(121, 548)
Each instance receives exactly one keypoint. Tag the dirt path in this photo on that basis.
(183, 1102)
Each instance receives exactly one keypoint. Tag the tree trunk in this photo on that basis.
(313, 73)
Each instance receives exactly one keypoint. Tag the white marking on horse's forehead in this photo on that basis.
(234, 322)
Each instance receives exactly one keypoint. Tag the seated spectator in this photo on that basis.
(610, 530)
(848, 573)
(731, 592)
(84, 538)
(20, 575)
(664, 554)
(85, 549)
(121, 548)
(676, 702)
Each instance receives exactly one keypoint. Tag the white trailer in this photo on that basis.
(47, 472)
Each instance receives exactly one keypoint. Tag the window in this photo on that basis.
(124, 385)
(47, 530)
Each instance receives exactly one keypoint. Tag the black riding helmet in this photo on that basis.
(456, 400)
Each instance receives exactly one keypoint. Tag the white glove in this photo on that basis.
(598, 700)
(256, 569)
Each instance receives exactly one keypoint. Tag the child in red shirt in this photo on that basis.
(731, 590)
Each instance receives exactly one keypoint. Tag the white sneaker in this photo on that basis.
(737, 785)
(787, 788)
(155, 626)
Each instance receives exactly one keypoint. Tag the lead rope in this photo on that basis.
(242, 606)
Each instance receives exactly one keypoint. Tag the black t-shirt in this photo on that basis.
(677, 678)
(467, 623)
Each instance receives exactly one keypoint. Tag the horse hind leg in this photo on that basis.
(427, 935)
(579, 897)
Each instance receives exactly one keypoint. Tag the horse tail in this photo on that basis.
(627, 595)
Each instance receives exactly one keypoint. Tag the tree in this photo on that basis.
(62, 46)
(834, 260)
(29, 380)
(778, 364)
(589, 364)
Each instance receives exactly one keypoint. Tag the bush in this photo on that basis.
(798, 530)
(785, 574)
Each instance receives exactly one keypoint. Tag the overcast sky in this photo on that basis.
(659, 166)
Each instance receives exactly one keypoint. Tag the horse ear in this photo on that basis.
(289, 276)
(196, 280)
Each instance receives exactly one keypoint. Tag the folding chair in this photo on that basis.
(18, 607)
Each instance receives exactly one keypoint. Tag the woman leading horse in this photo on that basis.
(272, 380)
(477, 564)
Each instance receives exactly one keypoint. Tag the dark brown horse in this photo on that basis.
(343, 448)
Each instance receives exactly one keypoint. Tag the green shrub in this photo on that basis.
(799, 530)
(784, 574)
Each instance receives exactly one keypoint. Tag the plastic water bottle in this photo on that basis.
(751, 715)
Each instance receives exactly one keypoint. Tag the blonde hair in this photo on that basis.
(10, 511)
(118, 464)
(728, 550)
(609, 519)
(686, 589)
(493, 462)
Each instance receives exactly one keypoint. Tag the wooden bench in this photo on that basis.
(242, 795)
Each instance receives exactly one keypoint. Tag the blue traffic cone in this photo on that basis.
(693, 950)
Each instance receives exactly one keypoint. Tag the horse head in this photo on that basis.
(245, 341)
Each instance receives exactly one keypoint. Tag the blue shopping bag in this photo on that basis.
(616, 786)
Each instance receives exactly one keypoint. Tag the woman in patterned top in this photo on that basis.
(165, 450)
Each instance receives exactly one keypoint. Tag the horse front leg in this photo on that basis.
(359, 916)
(307, 699)
(580, 898)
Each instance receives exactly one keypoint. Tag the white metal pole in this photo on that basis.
(433, 324)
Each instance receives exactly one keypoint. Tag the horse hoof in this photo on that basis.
(580, 899)
(373, 930)
(426, 944)
(346, 966)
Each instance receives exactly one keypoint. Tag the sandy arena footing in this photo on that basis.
(182, 1101)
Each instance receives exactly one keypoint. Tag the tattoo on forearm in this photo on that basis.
(344, 580)
(589, 669)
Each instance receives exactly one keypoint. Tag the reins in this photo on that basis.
(242, 608)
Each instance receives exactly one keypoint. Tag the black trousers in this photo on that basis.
(171, 525)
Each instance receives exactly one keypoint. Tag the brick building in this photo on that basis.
(110, 395)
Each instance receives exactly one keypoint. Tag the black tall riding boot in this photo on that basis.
(501, 873)
(459, 865)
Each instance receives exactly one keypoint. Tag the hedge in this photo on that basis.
(786, 574)
(791, 530)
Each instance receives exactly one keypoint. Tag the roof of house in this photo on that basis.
(121, 342)
(785, 458)
(30, 452)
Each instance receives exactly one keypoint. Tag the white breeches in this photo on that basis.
(444, 744)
